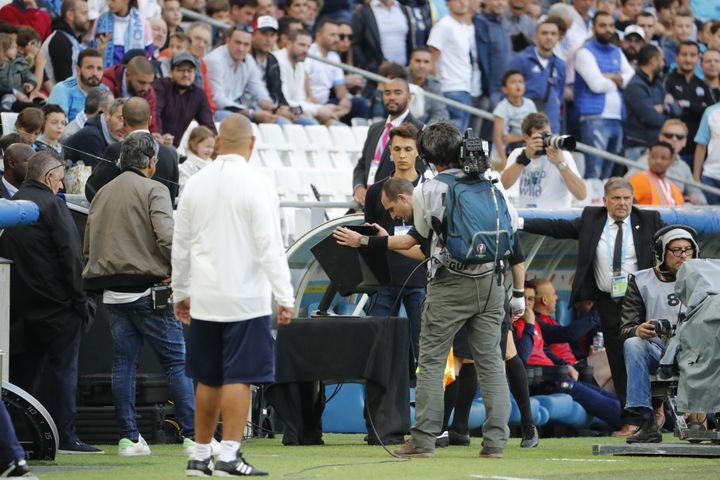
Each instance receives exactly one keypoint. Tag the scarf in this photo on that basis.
(134, 34)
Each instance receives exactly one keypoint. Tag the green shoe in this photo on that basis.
(128, 448)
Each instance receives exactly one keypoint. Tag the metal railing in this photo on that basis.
(485, 115)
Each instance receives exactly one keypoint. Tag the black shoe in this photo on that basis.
(648, 433)
(462, 439)
(442, 440)
(200, 468)
(16, 468)
(530, 437)
(78, 447)
(237, 468)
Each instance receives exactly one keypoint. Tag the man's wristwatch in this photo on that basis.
(562, 166)
(364, 241)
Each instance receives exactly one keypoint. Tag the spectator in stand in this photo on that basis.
(327, 82)
(544, 72)
(98, 99)
(180, 101)
(381, 32)
(29, 124)
(136, 119)
(135, 80)
(650, 187)
(218, 10)
(707, 152)
(242, 12)
(296, 9)
(160, 39)
(263, 41)
(494, 49)
(632, 42)
(286, 25)
(519, 25)
(355, 83)
(311, 15)
(425, 109)
(99, 132)
(682, 29)
(452, 42)
(52, 132)
(179, 42)
(602, 73)
(234, 76)
(645, 107)
(714, 41)
(629, 11)
(646, 21)
(339, 10)
(15, 159)
(549, 178)
(172, 16)
(294, 80)
(509, 115)
(579, 32)
(15, 76)
(266, 8)
(121, 29)
(62, 48)
(70, 93)
(692, 95)
(26, 12)
(28, 42)
(665, 13)
(710, 65)
(200, 35)
(201, 146)
(563, 14)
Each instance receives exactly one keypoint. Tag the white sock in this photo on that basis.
(202, 451)
(229, 450)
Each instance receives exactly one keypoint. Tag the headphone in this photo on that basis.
(658, 243)
(420, 146)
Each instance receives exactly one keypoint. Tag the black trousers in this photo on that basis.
(48, 370)
(610, 311)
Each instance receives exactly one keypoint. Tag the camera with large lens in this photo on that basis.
(561, 142)
(473, 154)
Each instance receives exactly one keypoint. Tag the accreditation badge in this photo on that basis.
(618, 286)
(402, 229)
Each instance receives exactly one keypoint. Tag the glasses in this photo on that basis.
(243, 28)
(185, 70)
(344, 36)
(681, 252)
(678, 136)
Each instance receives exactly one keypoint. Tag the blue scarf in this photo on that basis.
(134, 35)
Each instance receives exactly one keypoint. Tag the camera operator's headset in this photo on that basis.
(658, 244)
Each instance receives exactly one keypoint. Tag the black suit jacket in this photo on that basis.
(386, 168)
(4, 191)
(104, 172)
(587, 229)
(367, 53)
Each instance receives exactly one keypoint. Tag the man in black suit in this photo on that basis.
(375, 163)
(604, 260)
(367, 42)
(15, 159)
(136, 117)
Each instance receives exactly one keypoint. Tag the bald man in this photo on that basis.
(15, 159)
(136, 117)
(227, 233)
(134, 80)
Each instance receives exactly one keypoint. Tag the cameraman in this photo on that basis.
(651, 296)
(548, 176)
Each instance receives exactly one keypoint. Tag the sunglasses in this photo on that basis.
(244, 28)
(343, 36)
(679, 136)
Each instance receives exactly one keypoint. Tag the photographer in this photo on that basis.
(650, 297)
(548, 176)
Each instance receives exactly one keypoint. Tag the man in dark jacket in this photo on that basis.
(134, 80)
(136, 115)
(263, 41)
(377, 27)
(645, 105)
(48, 306)
(179, 101)
(494, 49)
(89, 143)
(64, 45)
(15, 160)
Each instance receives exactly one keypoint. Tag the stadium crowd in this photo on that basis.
(100, 88)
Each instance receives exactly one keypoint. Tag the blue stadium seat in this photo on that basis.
(344, 412)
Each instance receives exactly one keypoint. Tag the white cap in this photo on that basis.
(266, 22)
(678, 234)
(630, 29)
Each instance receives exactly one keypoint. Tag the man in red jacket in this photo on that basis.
(26, 12)
(134, 80)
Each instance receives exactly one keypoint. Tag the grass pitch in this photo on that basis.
(347, 457)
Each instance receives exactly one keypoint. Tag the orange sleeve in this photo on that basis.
(641, 189)
(677, 194)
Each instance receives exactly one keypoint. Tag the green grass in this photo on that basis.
(346, 457)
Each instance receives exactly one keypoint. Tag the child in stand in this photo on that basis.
(28, 42)
(509, 114)
(179, 42)
(53, 129)
(15, 74)
(201, 146)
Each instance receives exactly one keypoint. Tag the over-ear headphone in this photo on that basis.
(420, 146)
(659, 249)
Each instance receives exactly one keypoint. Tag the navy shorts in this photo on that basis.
(223, 353)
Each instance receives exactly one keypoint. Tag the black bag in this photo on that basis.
(540, 105)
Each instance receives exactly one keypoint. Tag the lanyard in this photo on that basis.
(665, 190)
(610, 249)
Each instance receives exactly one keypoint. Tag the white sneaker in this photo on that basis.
(189, 447)
(128, 448)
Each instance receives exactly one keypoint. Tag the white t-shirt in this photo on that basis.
(393, 27)
(542, 184)
(454, 40)
(708, 133)
(323, 77)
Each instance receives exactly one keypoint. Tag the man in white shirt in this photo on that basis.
(452, 42)
(228, 262)
(233, 75)
(602, 71)
(295, 81)
(548, 176)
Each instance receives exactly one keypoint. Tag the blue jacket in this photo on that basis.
(493, 52)
(536, 81)
(608, 58)
(642, 122)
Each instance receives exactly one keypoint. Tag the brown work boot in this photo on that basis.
(626, 430)
(410, 451)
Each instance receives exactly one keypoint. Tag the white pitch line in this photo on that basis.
(589, 460)
(495, 477)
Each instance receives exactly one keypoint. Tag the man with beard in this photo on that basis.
(134, 80)
(70, 93)
(633, 41)
(602, 72)
(179, 100)
(63, 47)
(375, 163)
